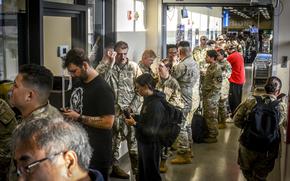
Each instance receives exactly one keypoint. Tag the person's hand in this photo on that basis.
(112, 57)
(71, 114)
(130, 122)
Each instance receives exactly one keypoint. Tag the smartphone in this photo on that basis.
(127, 114)
(63, 109)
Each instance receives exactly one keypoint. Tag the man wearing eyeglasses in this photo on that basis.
(172, 57)
(50, 150)
(199, 54)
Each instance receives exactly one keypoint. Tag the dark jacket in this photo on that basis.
(95, 175)
(150, 119)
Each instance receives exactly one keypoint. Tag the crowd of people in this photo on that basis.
(119, 100)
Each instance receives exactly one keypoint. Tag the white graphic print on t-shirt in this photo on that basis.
(76, 100)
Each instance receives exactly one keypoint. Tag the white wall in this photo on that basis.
(283, 49)
(136, 42)
(132, 31)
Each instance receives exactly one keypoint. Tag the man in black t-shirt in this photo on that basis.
(92, 104)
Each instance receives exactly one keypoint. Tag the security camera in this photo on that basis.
(62, 50)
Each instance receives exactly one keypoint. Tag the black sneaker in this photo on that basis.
(117, 172)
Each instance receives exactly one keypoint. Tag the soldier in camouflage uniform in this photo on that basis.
(257, 165)
(147, 60)
(170, 87)
(121, 74)
(211, 88)
(199, 54)
(186, 73)
(223, 102)
(7, 124)
(172, 58)
(30, 92)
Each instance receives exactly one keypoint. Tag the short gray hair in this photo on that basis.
(55, 136)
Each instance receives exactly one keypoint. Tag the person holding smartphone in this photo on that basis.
(147, 126)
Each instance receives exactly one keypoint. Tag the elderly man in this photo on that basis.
(52, 150)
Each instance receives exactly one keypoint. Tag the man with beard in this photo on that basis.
(92, 104)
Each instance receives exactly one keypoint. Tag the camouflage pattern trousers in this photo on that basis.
(121, 132)
(255, 165)
(210, 113)
(184, 138)
(223, 110)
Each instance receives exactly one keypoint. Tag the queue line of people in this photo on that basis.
(102, 97)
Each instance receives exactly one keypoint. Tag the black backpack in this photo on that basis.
(261, 131)
(170, 126)
(199, 127)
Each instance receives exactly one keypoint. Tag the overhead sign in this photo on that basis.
(225, 18)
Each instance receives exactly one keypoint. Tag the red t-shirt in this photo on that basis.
(238, 68)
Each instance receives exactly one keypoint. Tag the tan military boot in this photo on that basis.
(190, 154)
(163, 168)
(222, 125)
(181, 159)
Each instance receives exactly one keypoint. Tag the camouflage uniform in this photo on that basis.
(7, 124)
(122, 79)
(256, 165)
(211, 88)
(199, 54)
(145, 69)
(46, 112)
(171, 89)
(223, 102)
(186, 73)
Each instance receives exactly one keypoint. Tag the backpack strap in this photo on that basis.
(258, 99)
(275, 103)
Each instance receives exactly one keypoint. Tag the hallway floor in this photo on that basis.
(212, 162)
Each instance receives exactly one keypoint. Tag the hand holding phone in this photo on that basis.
(126, 114)
(62, 109)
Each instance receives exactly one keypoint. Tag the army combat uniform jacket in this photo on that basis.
(7, 125)
(171, 89)
(122, 80)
